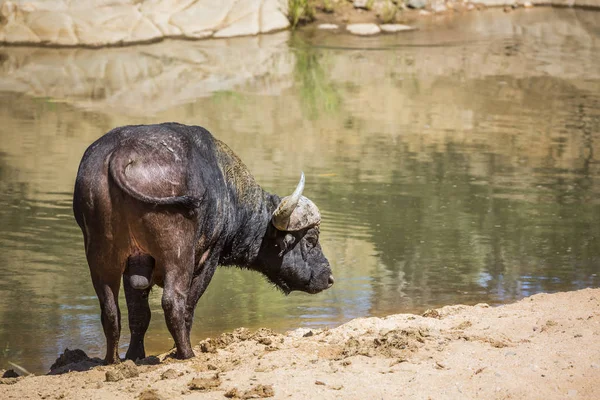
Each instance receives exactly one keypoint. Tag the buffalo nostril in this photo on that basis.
(330, 281)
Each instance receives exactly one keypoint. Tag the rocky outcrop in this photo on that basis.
(95, 23)
(114, 22)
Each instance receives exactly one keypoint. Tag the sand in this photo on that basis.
(543, 347)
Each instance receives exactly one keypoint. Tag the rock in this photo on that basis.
(363, 29)
(424, 12)
(259, 391)
(328, 26)
(432, 314)
(391, 28)
(73, 360)
(232, 393)
(170, 374)
(416, 4)
(69, 357)
(102, 22)
(265, 340)
(125, 370)
(300, 332)
(439, 8)
(150, 394)
(11, 373)
(205, 384)
(362, 4)
(528, 4)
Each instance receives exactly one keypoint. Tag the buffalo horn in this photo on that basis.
(288, 204)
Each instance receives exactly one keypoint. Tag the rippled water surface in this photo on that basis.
(456, 164)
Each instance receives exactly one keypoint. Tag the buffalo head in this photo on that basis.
(290, 253)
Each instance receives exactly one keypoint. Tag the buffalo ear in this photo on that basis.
(288, 241)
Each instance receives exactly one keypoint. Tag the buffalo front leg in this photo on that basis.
(138, 268)
(175, 293)
(198, 286)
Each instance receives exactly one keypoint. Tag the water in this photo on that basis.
(457, 164)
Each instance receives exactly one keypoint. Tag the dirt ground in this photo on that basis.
(543, 347)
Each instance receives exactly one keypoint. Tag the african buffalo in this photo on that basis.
(165, 204)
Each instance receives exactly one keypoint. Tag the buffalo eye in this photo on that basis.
(312, 240)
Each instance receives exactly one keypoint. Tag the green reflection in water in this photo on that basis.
(445, 174)
(318, 94)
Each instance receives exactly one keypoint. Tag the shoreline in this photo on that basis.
(376, 21)
(33, 24)
(545, 345)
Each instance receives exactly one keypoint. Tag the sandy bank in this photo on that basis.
(545, 346)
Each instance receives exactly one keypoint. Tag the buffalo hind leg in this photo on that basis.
(137, 282)
(175, 292)
(108, 296)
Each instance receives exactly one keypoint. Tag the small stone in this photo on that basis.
(439, 8)
(320, 383)
(328, 26)
(439, 365)
(204, 384)
(265, 340)
(232, 393)
(207, 346)
(260, 391)
(362, 4)
(391, 28)
(150, 394)
(125, 370)
(300, 332)
(528, 4)
(113, 376)
(170, 374)
(363, 29)
(424, 12)
(431, 314)
(416, 4)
